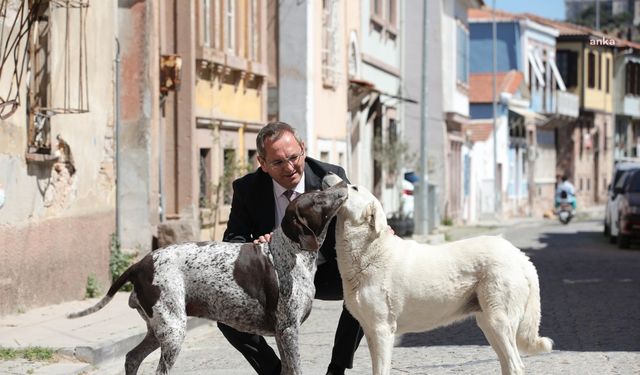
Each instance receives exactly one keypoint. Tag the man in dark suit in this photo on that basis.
(259, 201)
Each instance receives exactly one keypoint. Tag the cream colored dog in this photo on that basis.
(394, 286)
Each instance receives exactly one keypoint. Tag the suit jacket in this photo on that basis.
(253, 205)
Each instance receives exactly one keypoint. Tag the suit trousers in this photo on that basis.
(348, 335)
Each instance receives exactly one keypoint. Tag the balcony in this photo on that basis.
(565, 105)
(631, 106)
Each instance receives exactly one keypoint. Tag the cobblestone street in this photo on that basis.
(589, 306)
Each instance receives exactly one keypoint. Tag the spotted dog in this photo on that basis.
(264, 289)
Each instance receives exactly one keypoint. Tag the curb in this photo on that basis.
(110, 350)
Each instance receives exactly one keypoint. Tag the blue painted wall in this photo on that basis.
(480, 111)
(508, 47)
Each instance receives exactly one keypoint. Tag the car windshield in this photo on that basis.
(634, 183)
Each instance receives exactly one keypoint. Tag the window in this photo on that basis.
(209, 23)
(384, 17)
(377, 8)
(591, 70)
(632, 75)
(330, 45)
(607, 72)
(230, 26)
(253, 51)
(205, 22)
(205, 166)
(462, 55)
(628, 77)
(392, 137)
(599, 75)
(392, 13)
(567, 62)
(229, 168)
(324, 156)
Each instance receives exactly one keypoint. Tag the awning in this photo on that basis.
(537, 70)
(529, 114)
(556, 73)
(367, 86)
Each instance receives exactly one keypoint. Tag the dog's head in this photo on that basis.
(306, 219)
(361, 207)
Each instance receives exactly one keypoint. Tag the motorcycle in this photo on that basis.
(564, 208)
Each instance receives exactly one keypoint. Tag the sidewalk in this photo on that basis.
(492, 227)
(82, 342)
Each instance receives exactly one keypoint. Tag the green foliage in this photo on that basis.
(93, 287)
(221, 193)
(609, 22)
(447, 221)
(32, 353)
(392, 155)
(119, 262)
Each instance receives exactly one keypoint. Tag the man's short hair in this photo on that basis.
(273, 131)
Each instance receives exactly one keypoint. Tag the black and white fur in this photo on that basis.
(265, 289)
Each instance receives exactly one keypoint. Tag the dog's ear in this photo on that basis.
(374, 216)
(297, 230)
(306, 237)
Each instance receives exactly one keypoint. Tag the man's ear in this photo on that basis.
(263, 164)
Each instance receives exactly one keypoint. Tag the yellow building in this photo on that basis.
(584, 147)
(214, 117)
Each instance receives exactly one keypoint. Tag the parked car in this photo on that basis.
(625, 223)
(611, 210)
(403, 223)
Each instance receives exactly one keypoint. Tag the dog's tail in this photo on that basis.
(117, 284)
(528, 338)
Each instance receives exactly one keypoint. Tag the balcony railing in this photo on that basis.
(631, 106)
(566, 104)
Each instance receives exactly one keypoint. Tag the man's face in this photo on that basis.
(284, 160)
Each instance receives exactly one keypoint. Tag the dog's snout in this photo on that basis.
(330, 179)
(338, 193)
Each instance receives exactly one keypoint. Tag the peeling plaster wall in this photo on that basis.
(138, 100)
(54, 224)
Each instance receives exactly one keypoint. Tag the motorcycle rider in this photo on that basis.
(566, 191)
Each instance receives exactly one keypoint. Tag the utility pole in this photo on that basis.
(598, 15)
(494, 52)
(422, 205)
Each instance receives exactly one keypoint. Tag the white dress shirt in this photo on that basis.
(282, 202)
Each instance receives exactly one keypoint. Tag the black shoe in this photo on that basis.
(335, 369)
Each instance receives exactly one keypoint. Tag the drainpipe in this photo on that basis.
(498, 182)
(117, 136)
(161, 130)
(422, 204)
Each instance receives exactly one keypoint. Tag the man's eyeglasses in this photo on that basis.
(281, 163)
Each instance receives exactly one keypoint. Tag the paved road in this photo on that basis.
(590, 303)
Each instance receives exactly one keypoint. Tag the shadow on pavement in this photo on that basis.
(590, 293)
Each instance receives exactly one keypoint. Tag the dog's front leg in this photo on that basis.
(380, 340)
(287, 340)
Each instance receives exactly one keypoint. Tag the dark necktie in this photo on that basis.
(288, 194)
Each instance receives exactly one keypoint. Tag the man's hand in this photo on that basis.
(263, 239)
